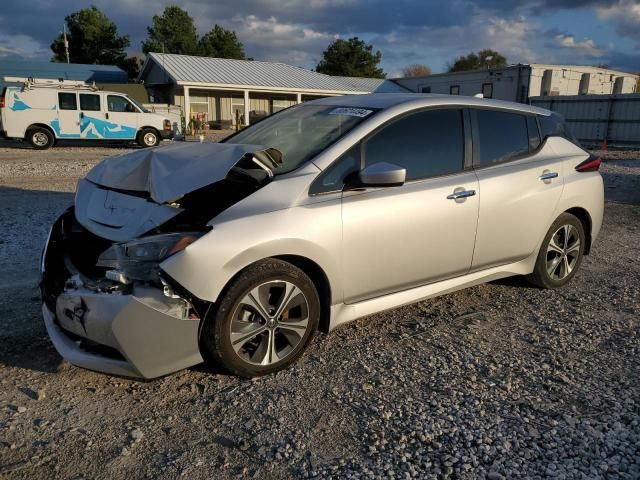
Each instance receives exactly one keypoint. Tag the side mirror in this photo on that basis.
(382, 174)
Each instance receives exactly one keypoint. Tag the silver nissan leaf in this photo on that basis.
(238, 252)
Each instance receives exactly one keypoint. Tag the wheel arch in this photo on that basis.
(320, 281)
(148, 127)
(584, 217)
(40, 125)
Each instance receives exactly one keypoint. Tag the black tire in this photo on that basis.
(40, 138)
(148, 137)
(215, 336)
(541, 275)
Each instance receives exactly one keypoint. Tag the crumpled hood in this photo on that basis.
(126, 196)
(169, 172)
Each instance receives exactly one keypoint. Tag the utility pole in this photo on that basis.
(66, 43)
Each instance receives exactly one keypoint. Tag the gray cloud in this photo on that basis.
(297, 31)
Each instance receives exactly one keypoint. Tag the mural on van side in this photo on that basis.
(18, 104)
(96, 128)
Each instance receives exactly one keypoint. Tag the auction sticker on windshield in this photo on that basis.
(351, 112)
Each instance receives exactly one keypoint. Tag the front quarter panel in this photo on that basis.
(259, 227)
(312, 231)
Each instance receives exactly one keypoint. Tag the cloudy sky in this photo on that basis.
(432, 32)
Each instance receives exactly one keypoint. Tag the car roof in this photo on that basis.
(417, 100)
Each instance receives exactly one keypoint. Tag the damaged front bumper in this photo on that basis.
(135, 330)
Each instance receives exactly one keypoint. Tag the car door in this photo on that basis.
(521, 181)
(68, 124)
(395, 238)
(122, 118)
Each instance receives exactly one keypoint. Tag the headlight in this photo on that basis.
(139, 259)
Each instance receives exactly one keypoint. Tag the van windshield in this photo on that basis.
(301, 132)
(137, 104)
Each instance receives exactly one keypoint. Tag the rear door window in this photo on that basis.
(502, 136)
(67, 101)
(89, 102)
(429, 143)
(554, 125)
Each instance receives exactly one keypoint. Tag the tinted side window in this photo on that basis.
(332, 179)
(119, 104)
(534, 133)
(67, 101)
(502, 136)
(427, 144)
(89, 102)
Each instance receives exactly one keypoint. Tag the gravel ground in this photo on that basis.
(498, 381)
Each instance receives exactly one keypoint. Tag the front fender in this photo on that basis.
(311, 231)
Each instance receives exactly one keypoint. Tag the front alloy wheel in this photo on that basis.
(263, 321)
(269, 322)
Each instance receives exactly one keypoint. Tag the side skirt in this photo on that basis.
(343, 313)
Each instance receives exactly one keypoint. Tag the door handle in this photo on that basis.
(461, 194)
(548, 176)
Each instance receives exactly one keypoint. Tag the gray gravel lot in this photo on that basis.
(498, 381)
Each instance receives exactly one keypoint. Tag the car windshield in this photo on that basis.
(137, 104)
(301, 132)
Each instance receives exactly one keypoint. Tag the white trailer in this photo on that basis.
(44, 111)
(518, 83)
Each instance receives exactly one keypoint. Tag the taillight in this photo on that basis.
(167, 125)
(591, 164)
(1, 102)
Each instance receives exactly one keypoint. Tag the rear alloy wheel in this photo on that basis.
(148, 138)
(561, 253)
(40, 138)
(264, 321)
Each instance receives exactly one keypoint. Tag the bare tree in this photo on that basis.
(416, 70)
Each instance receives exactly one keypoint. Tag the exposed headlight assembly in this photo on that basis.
(139, 259)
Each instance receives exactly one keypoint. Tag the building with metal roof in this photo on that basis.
(221, 92)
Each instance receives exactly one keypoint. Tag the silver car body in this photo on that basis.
(377, 248)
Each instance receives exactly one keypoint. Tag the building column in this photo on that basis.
(246, 107)
(187, 109)
(299, 98)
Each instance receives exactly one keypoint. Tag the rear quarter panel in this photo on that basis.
(581, 189)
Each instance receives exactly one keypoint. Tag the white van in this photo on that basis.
(44, 111)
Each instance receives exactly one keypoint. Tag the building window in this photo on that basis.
(426, 89)
(454, 90)
(199, 104)
(487, 90)
(278, 104)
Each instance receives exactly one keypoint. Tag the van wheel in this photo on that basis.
(148, 137)
(264, 320)
(561, 253)
(40, 138)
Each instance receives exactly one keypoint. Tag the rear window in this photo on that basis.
(502, 136)
(554, 125)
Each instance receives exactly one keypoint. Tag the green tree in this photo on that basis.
(93, 38)
(351, 58)
(172, 32)
(221, 43)
(486, 58)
